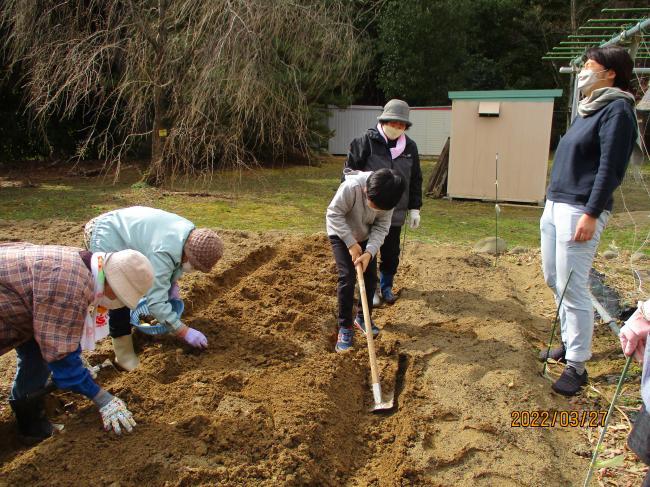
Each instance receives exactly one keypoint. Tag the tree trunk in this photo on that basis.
(157, 171)
(156, 174)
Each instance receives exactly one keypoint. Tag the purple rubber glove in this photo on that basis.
(174, 291)
(193, 337)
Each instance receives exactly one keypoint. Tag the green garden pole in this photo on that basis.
(557, 314)
(607, 418)
(497, 210)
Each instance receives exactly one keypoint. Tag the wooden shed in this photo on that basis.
(516, 124)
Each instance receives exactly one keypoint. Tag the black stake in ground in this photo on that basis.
(557, 314)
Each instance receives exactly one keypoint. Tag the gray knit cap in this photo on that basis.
(395, 111)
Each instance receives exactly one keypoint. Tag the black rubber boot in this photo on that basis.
(33, 425)
(570, 382)
(557, 354)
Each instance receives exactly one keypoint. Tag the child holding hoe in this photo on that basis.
(358, 220)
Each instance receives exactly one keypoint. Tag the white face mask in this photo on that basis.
(586, 79)
(109, 303)
(391, 132)
(187, 268)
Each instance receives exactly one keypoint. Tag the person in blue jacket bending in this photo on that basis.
(175, 247)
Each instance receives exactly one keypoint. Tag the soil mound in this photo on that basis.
(270, 403)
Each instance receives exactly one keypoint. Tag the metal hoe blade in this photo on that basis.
(381, 404)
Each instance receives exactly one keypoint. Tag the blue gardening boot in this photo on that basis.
(386, 286)
(359, 323)
(345, 340)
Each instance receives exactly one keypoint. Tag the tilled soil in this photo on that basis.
(270, 403)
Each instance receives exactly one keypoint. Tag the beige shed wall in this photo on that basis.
(521, 135)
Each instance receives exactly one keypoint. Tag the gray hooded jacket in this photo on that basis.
(351, 219)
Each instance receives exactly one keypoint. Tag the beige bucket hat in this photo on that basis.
(129, 274)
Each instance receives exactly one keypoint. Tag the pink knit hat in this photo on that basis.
(203, 248)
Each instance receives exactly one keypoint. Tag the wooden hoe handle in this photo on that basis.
(366, 318)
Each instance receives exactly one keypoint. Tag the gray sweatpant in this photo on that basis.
(560, 254)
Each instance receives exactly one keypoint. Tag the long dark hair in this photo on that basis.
(617, 59)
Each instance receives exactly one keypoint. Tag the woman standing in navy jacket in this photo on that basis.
(590, 163)
(387, 146)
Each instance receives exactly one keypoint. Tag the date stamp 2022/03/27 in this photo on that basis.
(550, 418)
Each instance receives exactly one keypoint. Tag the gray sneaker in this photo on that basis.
(570, 382)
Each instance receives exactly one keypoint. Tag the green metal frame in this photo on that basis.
(631, 9)
(612, 28)
(615, 20)
(570, 58)
(623, 30)
(587, 36)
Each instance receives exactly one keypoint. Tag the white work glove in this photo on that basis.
(414, 219)
(114, 412)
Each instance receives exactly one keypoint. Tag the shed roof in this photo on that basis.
(506, 95)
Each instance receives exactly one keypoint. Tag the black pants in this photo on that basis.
(348, 278)
(119, 322)
(390, 252)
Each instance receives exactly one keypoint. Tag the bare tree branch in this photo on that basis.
(233, 82)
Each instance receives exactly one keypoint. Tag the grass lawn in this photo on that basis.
(294, 199)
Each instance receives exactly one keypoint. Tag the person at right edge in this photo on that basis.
(634, 341)
(387, 146)
(590, 163)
